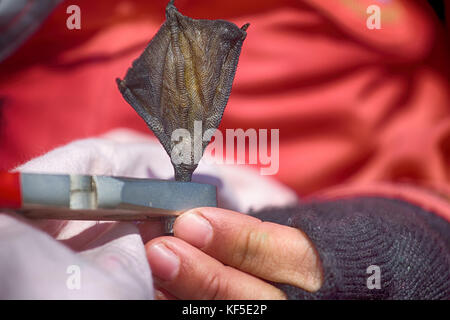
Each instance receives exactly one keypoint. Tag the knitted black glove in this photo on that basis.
(410, 246)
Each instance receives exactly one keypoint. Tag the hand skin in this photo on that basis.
(222, 254)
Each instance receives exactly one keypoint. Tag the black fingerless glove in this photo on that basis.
(410, 246)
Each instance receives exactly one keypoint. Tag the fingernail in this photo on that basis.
(194, 229)
(163, 262)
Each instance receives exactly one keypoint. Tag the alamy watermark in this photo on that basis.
(74, 20)
(374, 20)
(235, 153)
(73, 281)
(374, 280)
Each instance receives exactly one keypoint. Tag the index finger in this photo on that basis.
(267, 250)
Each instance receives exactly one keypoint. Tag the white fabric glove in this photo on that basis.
(49, 259)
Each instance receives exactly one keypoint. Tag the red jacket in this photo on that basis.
(360, 111)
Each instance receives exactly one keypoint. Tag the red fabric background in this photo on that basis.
(354, 106)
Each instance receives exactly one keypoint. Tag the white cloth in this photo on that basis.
(106, 260)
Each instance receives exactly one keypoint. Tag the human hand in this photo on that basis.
(111, 255)
(222, 254)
